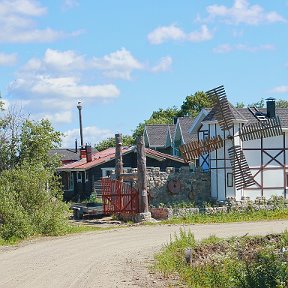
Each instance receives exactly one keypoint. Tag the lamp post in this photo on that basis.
(79, 106)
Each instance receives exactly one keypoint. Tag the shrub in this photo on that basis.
(31, 202)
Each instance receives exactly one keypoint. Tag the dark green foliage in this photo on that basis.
(193, 104)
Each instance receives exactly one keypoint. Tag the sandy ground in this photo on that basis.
(114, 258)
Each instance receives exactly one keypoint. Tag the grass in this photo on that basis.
(221, 217)
(71, 229)
(244, 262)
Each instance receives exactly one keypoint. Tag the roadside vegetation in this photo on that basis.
(239, 262)
(30, 192)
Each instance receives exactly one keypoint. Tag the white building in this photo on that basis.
(267, 157)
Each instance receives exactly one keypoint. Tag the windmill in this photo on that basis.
(264, 127)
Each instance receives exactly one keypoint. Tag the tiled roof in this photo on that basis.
(237, 115)
(109, 154)
(243, 114)
(185, 124)
(66, 154)
(171, 130)
(157, 134)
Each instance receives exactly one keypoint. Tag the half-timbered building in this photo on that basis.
(267, 158)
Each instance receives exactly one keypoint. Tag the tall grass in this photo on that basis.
(246, 262)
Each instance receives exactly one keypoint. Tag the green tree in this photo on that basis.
(161, 116)
(36, 140)
(193, 104)
(110, 142)
(281, 103)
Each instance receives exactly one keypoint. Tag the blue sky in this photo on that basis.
(125, 59)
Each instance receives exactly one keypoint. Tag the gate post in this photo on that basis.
(142, 178)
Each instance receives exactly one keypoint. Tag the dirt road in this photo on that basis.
(113, 258)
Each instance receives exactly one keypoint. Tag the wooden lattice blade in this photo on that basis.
(221, 107)
(242, 174)
(194, 149)
(262, 129)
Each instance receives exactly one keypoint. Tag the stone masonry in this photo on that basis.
(172, 187)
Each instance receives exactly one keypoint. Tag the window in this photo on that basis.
(86, 176)
(79, 177)
(68, 181)
(205, 134)
(229, 180)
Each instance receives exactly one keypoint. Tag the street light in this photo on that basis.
(79, 106)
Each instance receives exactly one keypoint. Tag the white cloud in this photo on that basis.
(164, 64)
(60, 117)
(17, 24)
(92, 135)
(198, 36)
(165, 33)
(225, 48)
(66, 87)
(243, 12)
(118, 64)
(280, 89)
(64, 60)
(7, 59)
(172, 32)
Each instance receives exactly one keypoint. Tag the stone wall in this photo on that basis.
(170, 187)
(229, 205)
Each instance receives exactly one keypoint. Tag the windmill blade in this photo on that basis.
(242, 174)
(222, 108)
(194, 149)
(262, 129)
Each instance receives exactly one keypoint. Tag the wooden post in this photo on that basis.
(142, 178)
(118, 156)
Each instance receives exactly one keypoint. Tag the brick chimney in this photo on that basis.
(88, 153)
(270, 104)
(83, 152)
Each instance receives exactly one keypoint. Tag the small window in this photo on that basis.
(229, 180)
(79, 177)
(86, 177)
(205, 134)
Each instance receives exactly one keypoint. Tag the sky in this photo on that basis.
(125, 59)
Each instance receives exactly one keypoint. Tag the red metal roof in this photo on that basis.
(109, 154)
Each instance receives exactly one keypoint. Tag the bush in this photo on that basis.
(31, 203)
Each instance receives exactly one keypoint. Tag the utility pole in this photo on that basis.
(142, 178)
(79, 106)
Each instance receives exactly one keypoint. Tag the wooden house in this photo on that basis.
(79, 178)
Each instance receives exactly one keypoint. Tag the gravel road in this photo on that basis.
(113, 258)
